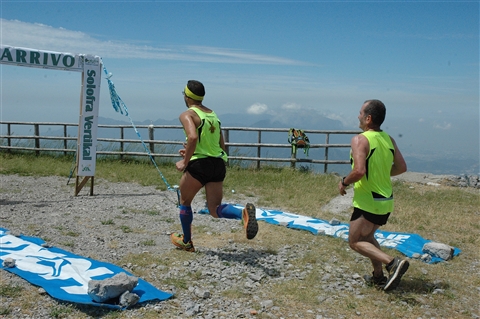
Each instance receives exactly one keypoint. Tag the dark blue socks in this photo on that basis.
(186, 218)
(229, 211)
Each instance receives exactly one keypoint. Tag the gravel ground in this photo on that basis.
(91, 226)
(46, 207)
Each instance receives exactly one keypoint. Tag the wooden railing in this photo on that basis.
(236, 149)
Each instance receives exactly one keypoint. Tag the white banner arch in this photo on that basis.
(91, 68)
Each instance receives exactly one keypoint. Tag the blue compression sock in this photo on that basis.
(186, 218)
(229, 211)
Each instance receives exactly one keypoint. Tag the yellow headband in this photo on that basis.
(192, 95)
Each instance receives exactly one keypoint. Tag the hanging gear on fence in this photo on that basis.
(298, 139)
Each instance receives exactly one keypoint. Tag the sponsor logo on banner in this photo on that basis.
(40, 59)
(89, 118)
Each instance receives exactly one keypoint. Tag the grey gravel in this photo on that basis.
(94, 227)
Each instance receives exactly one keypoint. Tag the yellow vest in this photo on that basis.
(373, 193)
(208, 144)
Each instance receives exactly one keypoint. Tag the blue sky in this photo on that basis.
(309, 58)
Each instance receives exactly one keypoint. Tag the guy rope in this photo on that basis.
(121, 107)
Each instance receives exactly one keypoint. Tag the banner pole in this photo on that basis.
(77, 189)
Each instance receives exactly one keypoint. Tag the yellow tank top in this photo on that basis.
(373, 193)
(208, 144)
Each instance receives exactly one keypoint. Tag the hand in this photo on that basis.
(180, 165)
(182, 152)
(341, 189)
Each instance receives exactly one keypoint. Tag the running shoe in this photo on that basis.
(396, 271)
(250, 221)
(372, 281)
(177, 240)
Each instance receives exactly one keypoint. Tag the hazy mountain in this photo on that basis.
(287, 121)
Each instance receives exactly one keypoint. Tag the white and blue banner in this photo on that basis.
(91, 68)
(40, 58)
(407, 244)
(63, 275)
(88, 124)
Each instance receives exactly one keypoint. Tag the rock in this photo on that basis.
(103, 290)
(128, 299)
(266, 304)
(438, 250)
(204, 294)
(9, 262)
(191, 309)
(334, 221)
(426, 258)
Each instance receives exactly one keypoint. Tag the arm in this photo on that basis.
(189, 125)
(360, 148)
(399, 165)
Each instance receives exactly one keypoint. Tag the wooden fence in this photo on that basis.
(38, 142)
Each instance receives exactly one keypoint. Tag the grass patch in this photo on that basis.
(10, 291)
(149, 242)
(107, 222)
(150, 212)
(60, 311)
(126, 229)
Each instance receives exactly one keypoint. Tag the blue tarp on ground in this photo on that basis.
(62, 274)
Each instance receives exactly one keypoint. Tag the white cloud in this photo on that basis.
(421, 120)
(346, 121)
(444, 126)
(43, 37)
(257, 108)
(291, 106)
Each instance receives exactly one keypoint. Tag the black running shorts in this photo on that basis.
(373, 218)
(206, 170)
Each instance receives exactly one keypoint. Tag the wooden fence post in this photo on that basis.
(151, 137)
(121, 143)
(226, 136)
(327, 139)
(9, 133)
(37, 140)
(294, 157)
(65, 144)
(259, 148)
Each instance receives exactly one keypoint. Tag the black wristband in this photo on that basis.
(343, 182)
